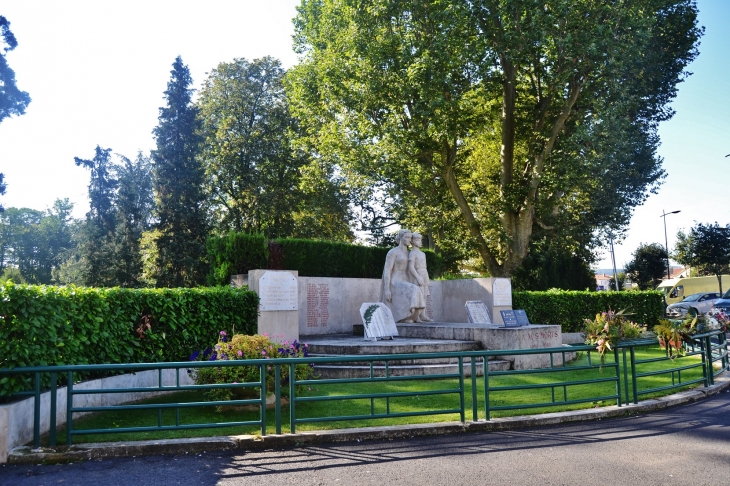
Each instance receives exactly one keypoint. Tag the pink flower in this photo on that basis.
(223, 333)
(240, 353)
(263, 352)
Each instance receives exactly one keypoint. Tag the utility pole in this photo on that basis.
(666, 242)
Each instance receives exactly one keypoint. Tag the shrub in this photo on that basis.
(242, 347)
(570, 308)
(44, 325)
(238, 253)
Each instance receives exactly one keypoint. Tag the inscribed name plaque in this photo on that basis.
(278, 291)
(509, 318)
(477, 312)
(502, 292)
(521, 317)
(377, 320)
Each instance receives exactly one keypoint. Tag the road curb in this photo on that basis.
(81, 452)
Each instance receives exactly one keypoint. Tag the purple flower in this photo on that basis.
(240, 353)
(194, 356)
(213, 357)
(223, 333)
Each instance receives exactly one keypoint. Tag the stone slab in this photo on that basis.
(278, 324)
(377, 320)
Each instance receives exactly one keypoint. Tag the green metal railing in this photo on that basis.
(620, 371)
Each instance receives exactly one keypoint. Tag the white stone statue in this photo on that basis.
(405, 299)
(419, 273)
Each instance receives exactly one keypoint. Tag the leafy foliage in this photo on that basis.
(257, 180)
(248, 347)
(44, 325)
(706, 246)
(12, 100)
(238, 253)
(34, 242)
(179, 179)
(648, 267)
(551, 263)
(608, 328)
(571, 308)
(480, 121)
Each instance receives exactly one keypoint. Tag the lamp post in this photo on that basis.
(666, 242)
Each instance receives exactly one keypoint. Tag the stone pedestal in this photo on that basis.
(534, 336)
(279, 306)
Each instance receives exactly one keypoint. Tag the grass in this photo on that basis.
(522, 400)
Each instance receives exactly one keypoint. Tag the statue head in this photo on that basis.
(416, 240)
(403, 235)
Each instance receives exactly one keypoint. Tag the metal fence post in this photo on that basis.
(52, 431)
(277, 395)
(69, 406)
(461, 389)
(37, 412)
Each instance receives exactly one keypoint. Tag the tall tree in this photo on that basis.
(96, 242)
(648, 267)
(707, 247)
(134, 208)
(12, 100)
(258, 181)
(179, 179)
(487, 119)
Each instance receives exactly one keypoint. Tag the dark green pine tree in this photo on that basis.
(182, 221)
(96, 241)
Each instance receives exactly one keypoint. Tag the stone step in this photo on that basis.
(431, 361)
(328, 371)
(390, 347)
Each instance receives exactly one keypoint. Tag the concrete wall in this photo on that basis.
(332, 305)
(16, 419)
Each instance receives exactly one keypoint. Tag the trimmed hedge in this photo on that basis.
(238, 253)
(570, 308)
(44, 325)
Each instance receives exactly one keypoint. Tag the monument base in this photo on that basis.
(496, 337)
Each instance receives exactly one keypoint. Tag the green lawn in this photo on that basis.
(410, 404)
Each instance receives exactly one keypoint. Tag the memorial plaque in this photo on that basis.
(509, 318)
(278, 291)
(521, 317)
(477, 312)
(502, 292)
(377, 320)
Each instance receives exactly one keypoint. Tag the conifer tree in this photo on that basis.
(178, 186)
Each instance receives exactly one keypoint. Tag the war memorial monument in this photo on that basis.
(404, 312)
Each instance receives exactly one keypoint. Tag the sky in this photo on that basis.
(96, 73)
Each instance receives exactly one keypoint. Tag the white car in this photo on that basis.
(701, 303)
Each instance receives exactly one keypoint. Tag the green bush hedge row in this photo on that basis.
(238, 253)
(570, 308)
(44, 325)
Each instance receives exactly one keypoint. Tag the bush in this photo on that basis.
(241, 347)
(238, 253)
(44, 325)
(571, 308)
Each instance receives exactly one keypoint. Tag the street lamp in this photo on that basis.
(666, 243)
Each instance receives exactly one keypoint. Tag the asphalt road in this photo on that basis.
(686, 445)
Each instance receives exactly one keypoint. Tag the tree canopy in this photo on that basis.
(258, 182)
(12, 100)
(484, 120)
(707, 247)
(648, 267)
(179, 177)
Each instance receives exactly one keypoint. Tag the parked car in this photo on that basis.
(701, 303)
(723, 303)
